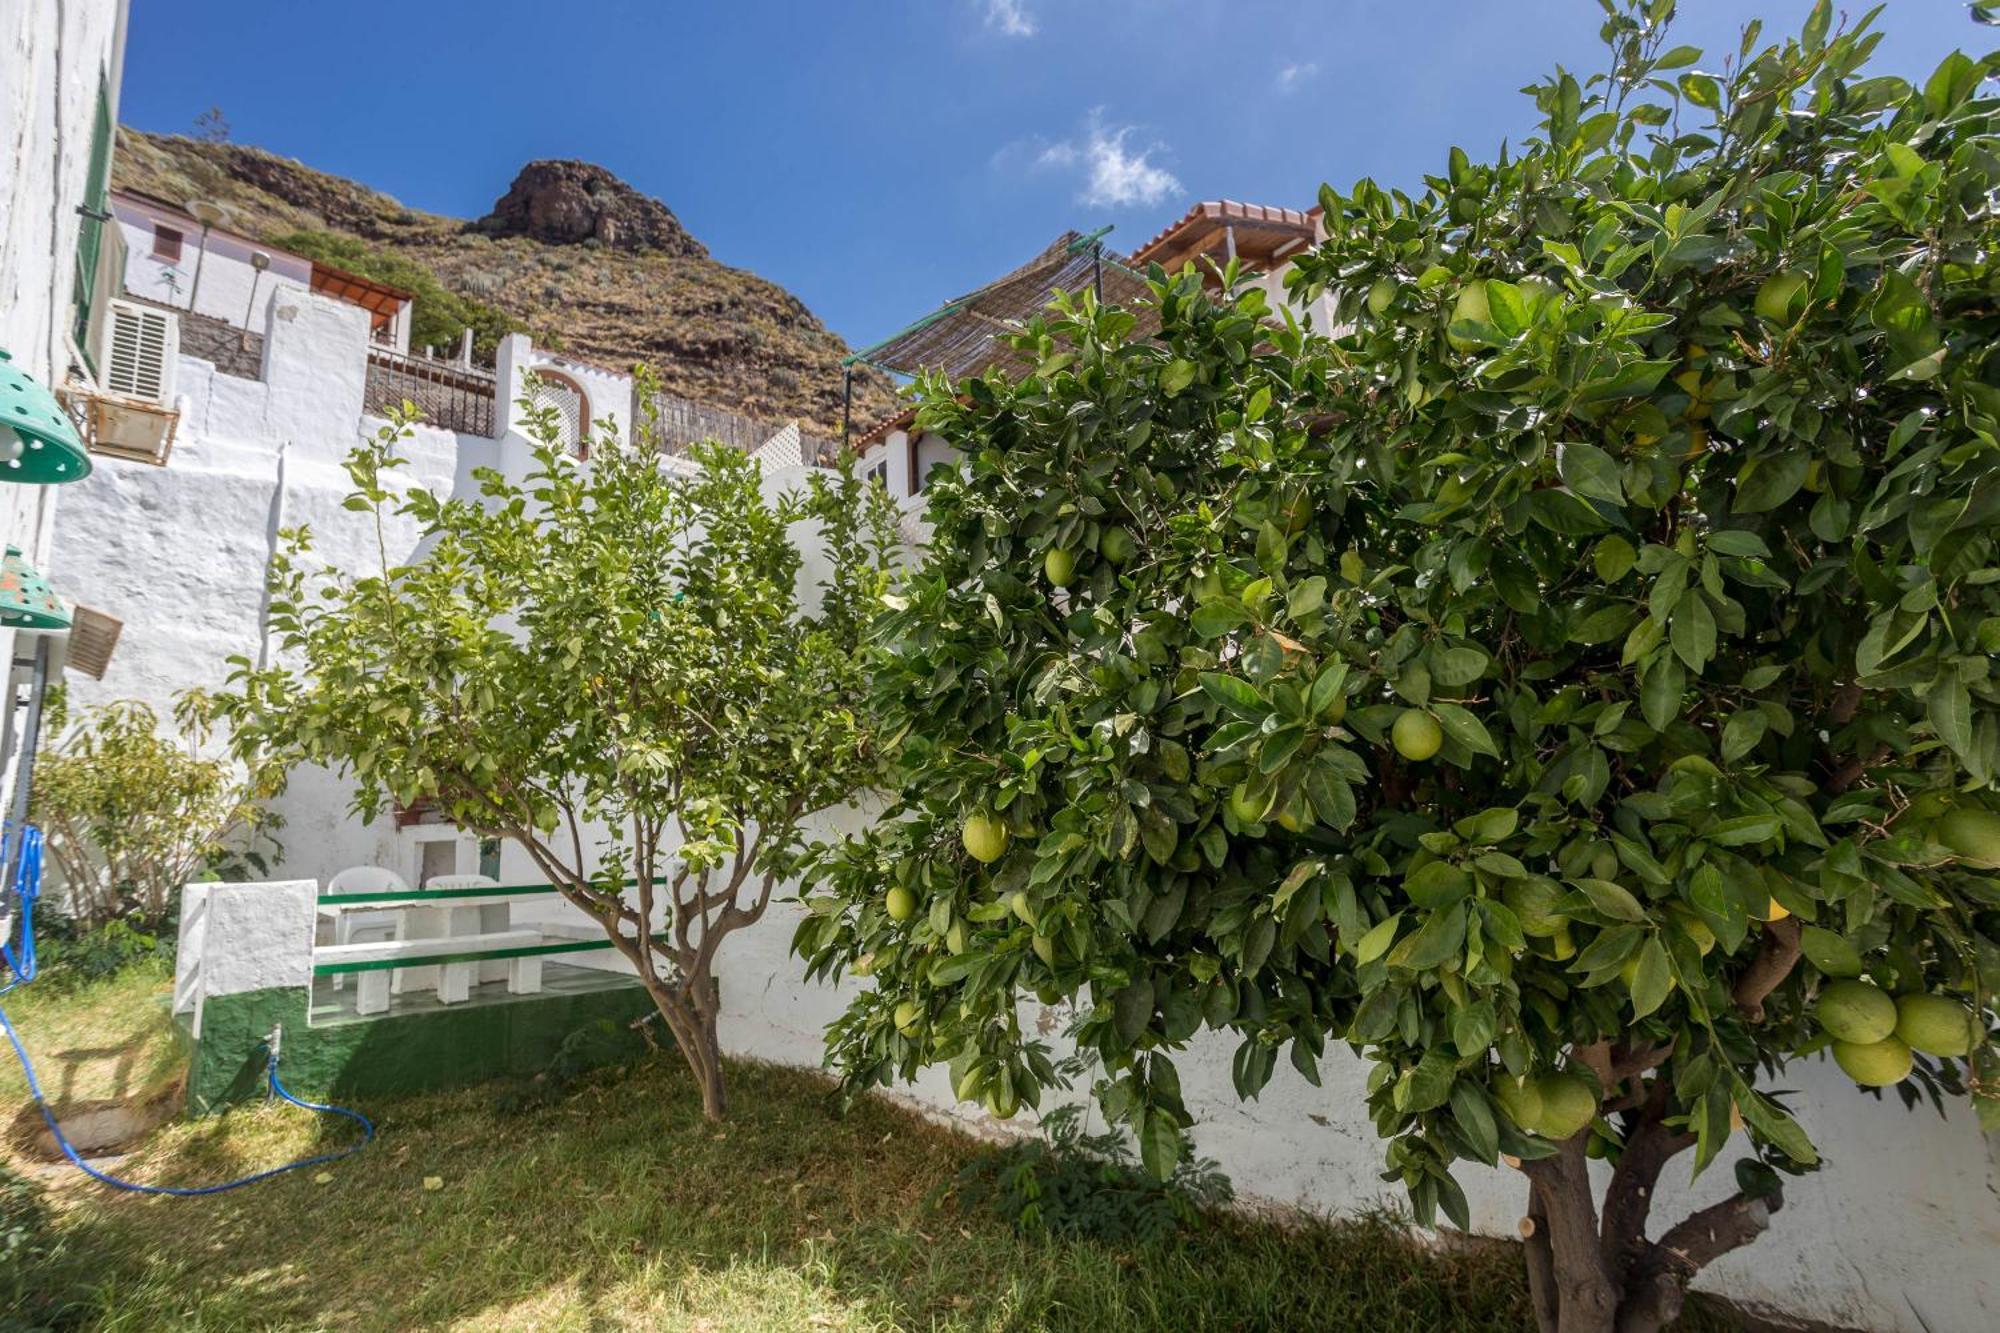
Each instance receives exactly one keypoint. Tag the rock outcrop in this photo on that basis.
(566, 203)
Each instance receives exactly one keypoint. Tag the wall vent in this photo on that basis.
(93, 637)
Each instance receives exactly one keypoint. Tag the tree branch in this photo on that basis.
(1628, 1200)
(1775, 959)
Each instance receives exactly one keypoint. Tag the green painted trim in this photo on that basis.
(489, 955)
(433, 895)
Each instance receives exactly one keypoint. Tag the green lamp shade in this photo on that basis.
(26, 599)
(38, 445)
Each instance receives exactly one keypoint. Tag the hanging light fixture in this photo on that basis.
(39, 445)
(26, 599)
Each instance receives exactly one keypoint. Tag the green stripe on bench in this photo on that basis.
(432, 959)
(432, 895)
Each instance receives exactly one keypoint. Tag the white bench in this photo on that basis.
(454, 986)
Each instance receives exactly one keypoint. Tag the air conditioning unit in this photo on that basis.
(142, 345)
(132, 415)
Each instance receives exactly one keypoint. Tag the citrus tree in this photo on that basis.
(1569, 686)
(132, 814)
(607, 663)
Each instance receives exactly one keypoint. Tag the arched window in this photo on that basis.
(572, 409)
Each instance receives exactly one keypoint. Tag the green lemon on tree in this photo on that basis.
(1533, 903)
(1856, 1013)
(1568, 1104)
(1471, 307)
(1874, 1064)
(1973, 833)
(909, 1017)
(1417, 735)
(954, 939)
(1021, 907)
(984, 836)
(1002, 1102)
(1116, 545)
(901, 904)
(1382, 295)
(1782, 298)
(1045, 948)
(1520, 1099)
(1248, 806)
(1060, 566)
(1935, 1025)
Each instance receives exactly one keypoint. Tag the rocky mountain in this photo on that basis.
(569, 252)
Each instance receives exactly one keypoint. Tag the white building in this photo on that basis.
(60, 69)
(173, 259)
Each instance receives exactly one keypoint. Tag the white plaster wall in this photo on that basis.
(179, 553)
(228, 280)
(52, 56)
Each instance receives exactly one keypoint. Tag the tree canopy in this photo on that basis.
(1569, 684)
(609, 664)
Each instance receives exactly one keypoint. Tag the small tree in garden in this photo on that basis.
(132, 815)
(1570, 686)
(607, 663)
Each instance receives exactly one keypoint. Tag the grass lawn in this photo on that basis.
(614, 1206)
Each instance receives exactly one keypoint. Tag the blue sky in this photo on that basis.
(880, 156)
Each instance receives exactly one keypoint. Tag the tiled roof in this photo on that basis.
(1224, 212)
(886, 427)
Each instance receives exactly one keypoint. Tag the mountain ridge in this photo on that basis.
(572, 254)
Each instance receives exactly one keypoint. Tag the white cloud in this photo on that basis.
(1116, 175)
(1291, 76)
(1010, 18)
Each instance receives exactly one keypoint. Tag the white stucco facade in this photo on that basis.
(60, 66)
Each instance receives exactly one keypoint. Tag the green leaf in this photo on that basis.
(1470, 1108)
(1612, 899)
(1772, 1125)
(1590, 472)
(1160, 1144)
(1234, 693)
(1441, 937)
(1830, 953)
(1653, 980)
(1372, 945)
(1660, 691)
(1176, 377)
(1691, 631)
(1215, 618)
(1464, 728)
(1132, 1010)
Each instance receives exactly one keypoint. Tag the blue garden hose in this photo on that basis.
(27, 888)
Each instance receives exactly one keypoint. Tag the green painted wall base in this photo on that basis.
(402, 1053)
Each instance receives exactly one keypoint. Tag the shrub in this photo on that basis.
(132, 815)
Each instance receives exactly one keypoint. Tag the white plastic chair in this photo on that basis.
(363, 926)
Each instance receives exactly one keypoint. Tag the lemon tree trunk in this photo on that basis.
(1592, 1268)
